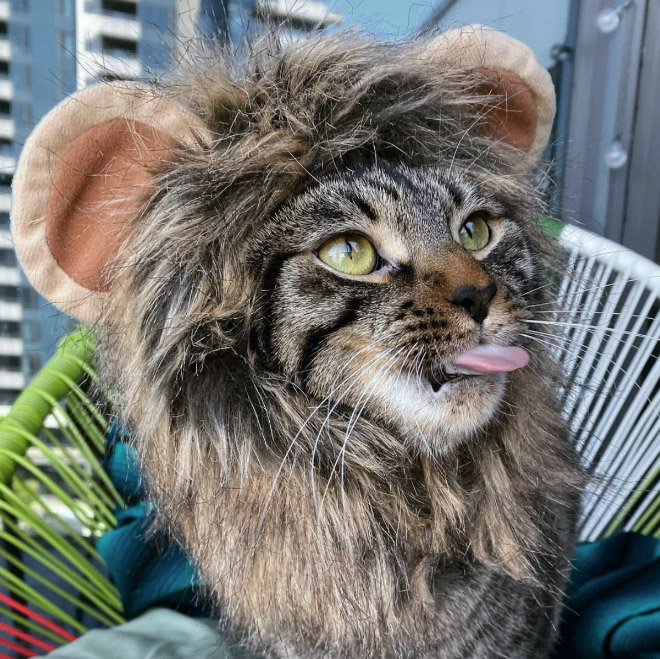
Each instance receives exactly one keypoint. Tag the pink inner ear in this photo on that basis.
(99, 182)
(512, 116)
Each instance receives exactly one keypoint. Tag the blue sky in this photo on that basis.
(539, 24)
(386, 17)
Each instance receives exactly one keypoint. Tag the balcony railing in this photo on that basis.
(10, 311)
(12, 380)
(10, 276)
(115, 13)
(306, 15)
(100, 65)
(124, 27)
(11, 346)
(7, 164)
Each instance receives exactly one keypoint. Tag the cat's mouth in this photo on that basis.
(442, 375)
(477, 362)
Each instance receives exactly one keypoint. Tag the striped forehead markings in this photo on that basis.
(364, 206)
(389, 190)
(454, 190)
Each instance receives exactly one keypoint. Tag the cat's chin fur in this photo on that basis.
(435, 422)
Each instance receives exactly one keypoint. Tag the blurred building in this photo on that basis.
(124, 39)
(296, 15)
(11, 316)
(49, 48)
(36, 70)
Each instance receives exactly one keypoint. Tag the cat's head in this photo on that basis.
(346, 228)
(396, 292)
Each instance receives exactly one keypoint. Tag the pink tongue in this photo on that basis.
(493, 359)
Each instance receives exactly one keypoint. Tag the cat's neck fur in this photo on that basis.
(345, 554)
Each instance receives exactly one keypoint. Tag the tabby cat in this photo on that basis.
(310, 280)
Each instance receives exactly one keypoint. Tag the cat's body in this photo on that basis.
(352, 526)
(335, 510)
(342, 495)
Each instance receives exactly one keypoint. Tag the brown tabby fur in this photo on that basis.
(302, 559)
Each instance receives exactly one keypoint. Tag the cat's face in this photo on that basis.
(373, 282)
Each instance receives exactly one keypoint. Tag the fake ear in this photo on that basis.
(523, 95)
(81, 179)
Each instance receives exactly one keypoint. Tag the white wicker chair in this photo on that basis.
(609, 300)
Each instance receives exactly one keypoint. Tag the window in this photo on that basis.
(6, 147)
(4, 68)
(7, 396)
(4, 220)
(10, 329)
(119, 7)
(3, 28)
(7, 257)
(109, 76)
(25, 74)
(67, 45)
(10, 293)
(5, 181)
(66, 80)
(118, 47)
(5, 107)
(160, 16)
(10, 363)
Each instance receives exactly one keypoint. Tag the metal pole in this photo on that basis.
(564, 55)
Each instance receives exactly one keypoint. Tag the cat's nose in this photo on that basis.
(475, 301)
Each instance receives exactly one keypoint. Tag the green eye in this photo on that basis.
(349, 253)
(474, 233)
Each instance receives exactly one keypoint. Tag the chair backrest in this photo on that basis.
(55, 500)
(608, 326)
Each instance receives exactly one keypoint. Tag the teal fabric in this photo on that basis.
(121, 464)
(613, 604)
(147, 570)
(158, 634)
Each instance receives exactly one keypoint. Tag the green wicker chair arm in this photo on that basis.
(34, 404)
